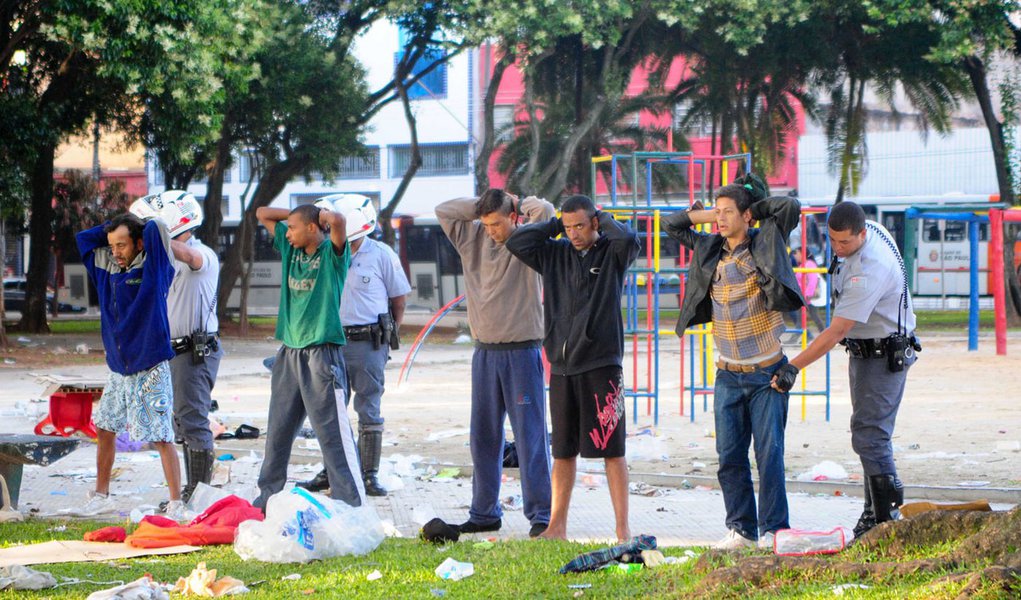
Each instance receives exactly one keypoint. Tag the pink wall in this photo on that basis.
(511, 90)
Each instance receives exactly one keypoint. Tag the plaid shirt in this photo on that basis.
(744, 330)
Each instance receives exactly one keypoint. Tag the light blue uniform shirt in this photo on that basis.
(375, 276)
(867, 287)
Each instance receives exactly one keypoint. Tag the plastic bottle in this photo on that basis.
(796, 542)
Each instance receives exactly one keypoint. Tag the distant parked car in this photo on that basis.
(14, 297)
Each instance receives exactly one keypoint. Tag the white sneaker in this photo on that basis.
(177, 511)
(95, 504)
(734, 541)
(766, 541)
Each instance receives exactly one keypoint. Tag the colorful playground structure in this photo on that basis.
(655, 285)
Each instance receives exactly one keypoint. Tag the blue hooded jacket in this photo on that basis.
(132, 301)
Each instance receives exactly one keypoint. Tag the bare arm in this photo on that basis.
(397, 304)
(337, 225)
(186, 254)
(269, 217)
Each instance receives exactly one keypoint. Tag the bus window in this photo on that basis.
(931, 229)
(955, 231)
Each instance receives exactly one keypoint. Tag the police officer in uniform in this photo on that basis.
(191, 310)
(371, 310)
(874, 319)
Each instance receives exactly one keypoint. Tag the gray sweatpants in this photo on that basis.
(310, 381)
(193, 388)
(875, 398)
(365, 375)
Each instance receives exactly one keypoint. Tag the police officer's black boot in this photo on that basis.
(318, 483)
(867, 520)
(887, 496)
(370, 447)
(198, 466)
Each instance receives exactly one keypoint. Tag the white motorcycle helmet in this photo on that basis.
(178, 209)
(357, 210)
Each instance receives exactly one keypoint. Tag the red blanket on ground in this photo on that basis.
(217, 525)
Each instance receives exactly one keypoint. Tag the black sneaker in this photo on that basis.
(473, 527)
(537, 529)
(318, 483)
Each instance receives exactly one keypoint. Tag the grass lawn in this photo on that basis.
(512, 569)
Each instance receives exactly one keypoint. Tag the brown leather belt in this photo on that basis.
(746, 368)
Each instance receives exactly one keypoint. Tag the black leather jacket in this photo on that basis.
(777, 217)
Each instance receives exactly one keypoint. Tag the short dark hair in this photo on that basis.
(846, 216)
(579, 202)
(745, 191)
(308, 213)
(494, 200)
(134, 224)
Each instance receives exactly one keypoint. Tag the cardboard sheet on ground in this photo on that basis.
(65, 551)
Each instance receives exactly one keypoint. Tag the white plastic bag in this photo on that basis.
(301, 526)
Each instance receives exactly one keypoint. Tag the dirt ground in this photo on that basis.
(959, 424)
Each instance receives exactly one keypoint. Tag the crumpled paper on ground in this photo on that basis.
(203, 582)
(143, 588)
(18, 577)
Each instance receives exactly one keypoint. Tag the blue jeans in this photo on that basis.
(747, 409)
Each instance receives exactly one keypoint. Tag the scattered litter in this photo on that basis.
(137, 514)
(799, 542)
(82, 349)
(686, 485)
(437, 592)
(58, 492)
(694, 446)
(592, 480)
(645, 447)
(205, 496)
(390, 530)
(703, 488)
(301, 526)
(58, 528)
(80, 551)
(709, 433)
(973, 483)
(124, 443)
(10, 361)
(221, 474)
(579, 586)
(24, 340)
(640, 488)
(446, 474)
(18, 577)
(484, 545)
(143, 588)
(454, 570)
(447, 433)
(838, 590)
(227, 456)
(515, 502)
(914, 446)
(697, 466)
(373, 576)
(824, 471)
(291, 577)
(251, 458)
(464, 338)
(653, 558)
(203, 582)
(629, 568)
(60, 351)
(596, 559)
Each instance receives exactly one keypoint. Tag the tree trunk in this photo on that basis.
(416, 161)
(488, 127)
(980, 84)
(33, 319)
(270, 185)
(211, 206)
(3, 268)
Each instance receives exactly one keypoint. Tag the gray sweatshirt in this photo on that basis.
(504, 295)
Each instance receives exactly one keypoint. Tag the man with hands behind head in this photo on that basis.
(583, 279)
(308, 374)
(505, 315)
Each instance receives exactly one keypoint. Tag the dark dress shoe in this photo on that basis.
(318, 483)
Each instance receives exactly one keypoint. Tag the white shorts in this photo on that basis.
(141, 403)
